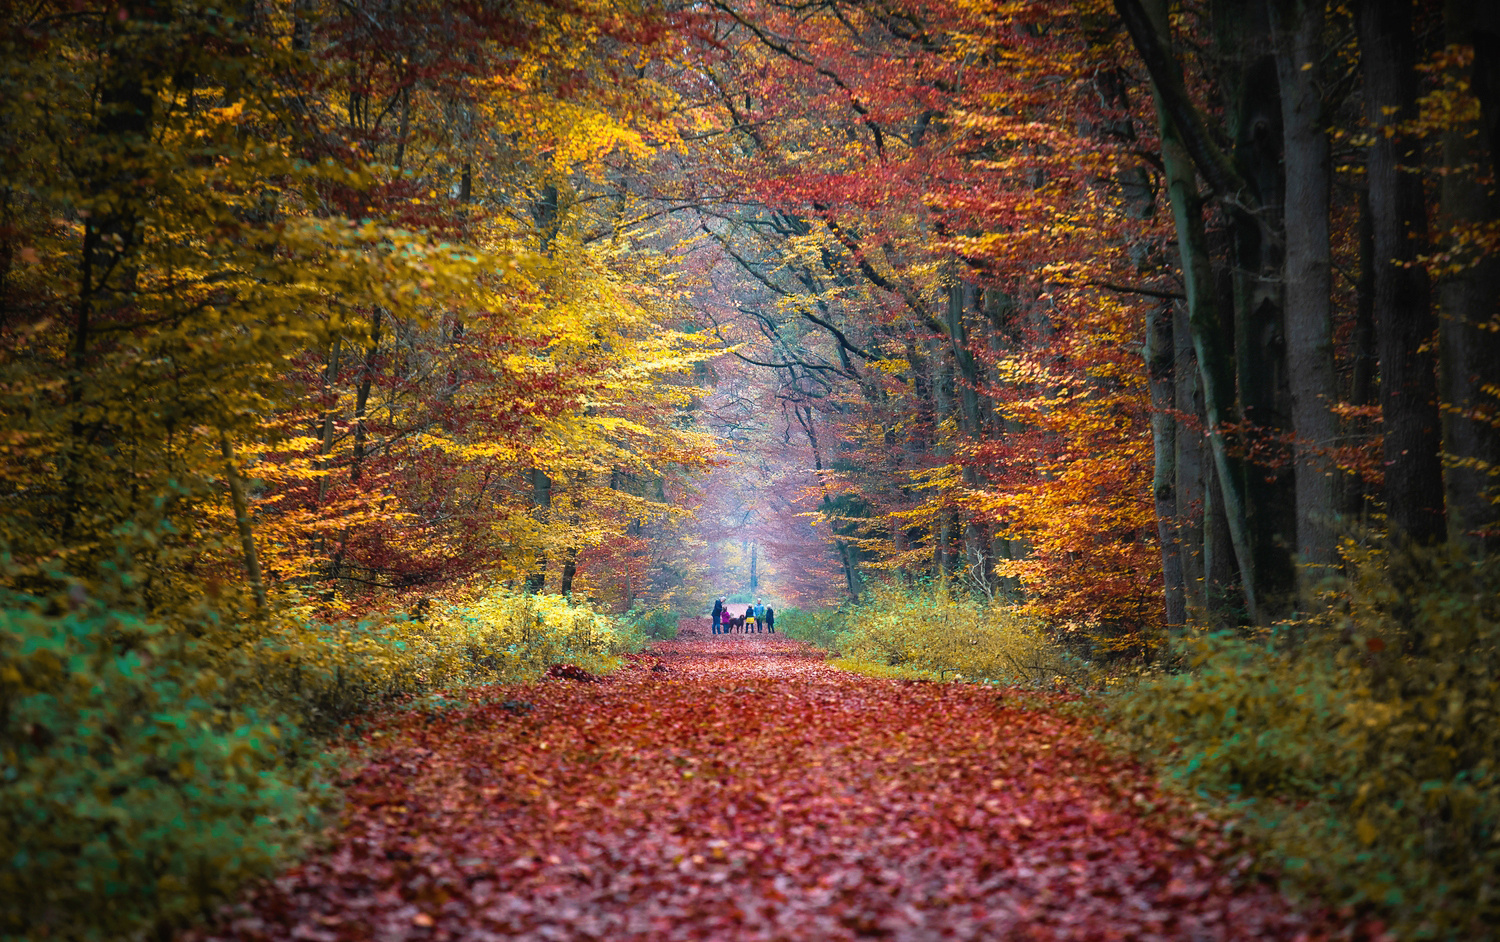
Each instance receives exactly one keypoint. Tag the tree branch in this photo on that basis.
(1166, 77)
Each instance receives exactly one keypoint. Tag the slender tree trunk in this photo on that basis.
(362, 399)
(1362, 389)
(942, 403)
(243, 524)
(541, 504)
(1401, 298)
(1298, 28)
(1190, 463)
(962, 297)
(1215, 364)
(325, 424)
(111, 234)
(845, 551)
(1160, 351)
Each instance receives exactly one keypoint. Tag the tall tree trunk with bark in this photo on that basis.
(1298, 28)
(1257, 274)
(541, 508)
(1469, 299)
(1191, 464)
(1148, 27)
(1160, 353)
(846, 552)
(971, 421)
(1401, 295)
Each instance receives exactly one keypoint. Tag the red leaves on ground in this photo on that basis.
(749, 791)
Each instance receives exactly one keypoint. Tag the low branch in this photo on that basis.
(1138, 289)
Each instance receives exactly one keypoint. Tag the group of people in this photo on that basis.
(758, 617)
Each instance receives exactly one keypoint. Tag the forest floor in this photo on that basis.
(736, 788)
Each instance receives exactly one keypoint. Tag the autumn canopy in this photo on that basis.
(347, 349)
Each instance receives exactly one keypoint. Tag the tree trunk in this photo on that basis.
(846, 552)
(1401, 296)
(325, 424)
(243, 524)
(1215, 364)
(541, 508)
(1191, 464)
(1309, 284)
(362, 399)
(1469, 344)
(569, 571)
(1160, 352)
(962, 296)
(943, 562)
(1243, 38)
(1362, 389)
(114, 169)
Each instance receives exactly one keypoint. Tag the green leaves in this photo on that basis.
(133, 793)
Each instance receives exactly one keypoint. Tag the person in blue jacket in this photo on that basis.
(718, 610)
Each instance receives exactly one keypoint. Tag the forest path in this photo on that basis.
(736, 788)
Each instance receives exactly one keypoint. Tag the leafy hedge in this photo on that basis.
(934, 631)
(133, 792)
(1366, 757)
(147, 771)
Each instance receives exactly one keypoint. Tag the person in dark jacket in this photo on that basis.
(718, 610)
(770, 619)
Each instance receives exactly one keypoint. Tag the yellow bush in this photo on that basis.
(934, 631)
(498, 636)
(325, 673)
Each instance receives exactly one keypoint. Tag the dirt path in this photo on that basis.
(735, 789)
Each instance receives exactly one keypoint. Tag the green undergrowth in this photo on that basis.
(1362, 757)
(148, 769)
(933, 632)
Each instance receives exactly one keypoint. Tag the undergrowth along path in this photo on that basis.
(739, 788)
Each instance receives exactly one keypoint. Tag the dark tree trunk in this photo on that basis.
(1243, 36)
(1191, 464)
(1362, 390)
(1215, 362)
(1468, 299)
(362, 399)
(1309, 284)
(541, 508)
(113, 173)
(1401, 298)
(1160, 355)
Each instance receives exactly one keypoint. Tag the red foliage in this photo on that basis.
(749, 791)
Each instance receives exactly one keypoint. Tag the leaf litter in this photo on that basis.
(742, 789)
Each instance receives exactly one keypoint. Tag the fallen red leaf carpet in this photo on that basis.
(738, 788)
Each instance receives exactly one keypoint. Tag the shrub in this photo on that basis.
(658, 624)
(1365, 757)
(149, 770)
(497, 636)
(135, 793)
(934, 631)
(820, 627)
